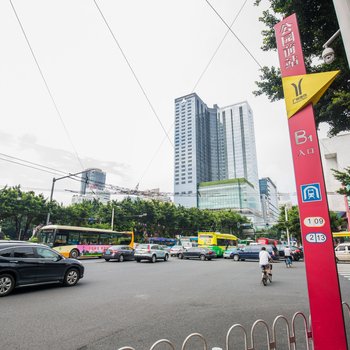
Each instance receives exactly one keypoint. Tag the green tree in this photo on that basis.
(21, 211)
(344, 178)
(293, 222)
(317, 23)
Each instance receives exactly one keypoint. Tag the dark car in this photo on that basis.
(23, 264)
(119, 252)
(297, 253)
(197, 253)
(251, 252)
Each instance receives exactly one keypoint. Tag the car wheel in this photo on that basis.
(7, 283)
(166, 258)
(74, 253)
(121, 258)
(107, 260)
(202, 257)
(71, 277)
(138, 260)
(180, 256)
(153, 259)
(235, 258)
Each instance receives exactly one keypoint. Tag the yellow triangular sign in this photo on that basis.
(300, 90)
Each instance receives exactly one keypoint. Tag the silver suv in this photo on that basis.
(151, 252)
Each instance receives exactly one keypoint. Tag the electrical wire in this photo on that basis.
(32, 163)
(111, 187)
(28, 166)
(196, 84)
(46, 85)
(133, 72)
(239, 40)
(217, 49)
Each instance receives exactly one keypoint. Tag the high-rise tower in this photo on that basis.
(92, 187)
(212, 144)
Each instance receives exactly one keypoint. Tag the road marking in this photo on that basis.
(344, 270)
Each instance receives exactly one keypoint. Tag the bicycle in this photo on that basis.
(288, 261)
(266, 274)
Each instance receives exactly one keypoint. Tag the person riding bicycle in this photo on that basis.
(288, 256)
(264, 262)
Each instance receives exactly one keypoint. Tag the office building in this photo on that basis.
(92, 186)
(212, 144)
(269, 202)
(232, 194)
(335, 155)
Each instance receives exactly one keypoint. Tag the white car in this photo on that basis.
(342, 252)
(230, 253)
(151, 252)
(176, 249)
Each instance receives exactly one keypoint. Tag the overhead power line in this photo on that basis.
(46, 85)
(132, 71)
(118, 189)
(110, 187)
(195, 86)
(218, 47)
(235, 35)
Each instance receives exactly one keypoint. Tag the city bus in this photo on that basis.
(340, 237)
(74, 241)
(264, 240)
(163, 241)
(218, 242)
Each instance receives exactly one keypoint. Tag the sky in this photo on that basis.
(100, 116)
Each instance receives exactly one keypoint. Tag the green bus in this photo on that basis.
(218, 242)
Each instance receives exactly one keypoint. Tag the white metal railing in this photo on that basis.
(271, 342)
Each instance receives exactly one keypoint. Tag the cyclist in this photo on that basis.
(288, 256)
(264, 262)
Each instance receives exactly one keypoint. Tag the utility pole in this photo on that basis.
(342, 9)
(112, 219)
(286, 219)
(53, 187)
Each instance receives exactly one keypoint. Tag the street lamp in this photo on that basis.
(130, 216)
(53, 186)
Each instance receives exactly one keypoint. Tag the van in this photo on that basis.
(251, 252)
(342, 252)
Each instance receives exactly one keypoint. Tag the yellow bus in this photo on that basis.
(218, 242)
(74, 241)
(340, 237)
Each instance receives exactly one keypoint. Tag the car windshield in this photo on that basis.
(142, 246)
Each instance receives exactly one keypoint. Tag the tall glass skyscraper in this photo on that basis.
(212, 144)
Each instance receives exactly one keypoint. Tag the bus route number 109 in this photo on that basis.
(314, 221)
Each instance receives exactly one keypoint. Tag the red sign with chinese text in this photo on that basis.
(322, 277)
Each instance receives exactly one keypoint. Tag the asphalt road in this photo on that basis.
(135, 304)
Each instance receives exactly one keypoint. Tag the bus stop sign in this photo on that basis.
(301, 91)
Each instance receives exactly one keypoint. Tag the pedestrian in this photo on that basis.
(288, 256)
